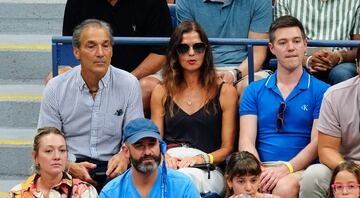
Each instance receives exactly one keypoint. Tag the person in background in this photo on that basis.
(345, 181)
(91, 104)
(194, 110)
(242, 175)
(146, 177)
(50, 178)
(326, 20)
(278, 115)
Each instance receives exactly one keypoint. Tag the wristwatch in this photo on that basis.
(238, 74)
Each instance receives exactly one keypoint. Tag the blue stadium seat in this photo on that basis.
(174, 21)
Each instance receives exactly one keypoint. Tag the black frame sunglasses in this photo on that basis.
(198, 48)
(280, 117)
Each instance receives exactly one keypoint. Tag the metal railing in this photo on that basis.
(59, 43)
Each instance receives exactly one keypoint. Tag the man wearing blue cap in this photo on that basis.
(146, 178)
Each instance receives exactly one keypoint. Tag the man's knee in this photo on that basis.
(315, 181)
(287, 186)
(342, 72)
(148, 83)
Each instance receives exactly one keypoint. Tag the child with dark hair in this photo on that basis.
(345, 181)
(242, 176)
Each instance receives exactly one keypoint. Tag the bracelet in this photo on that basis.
(341, 58)
(238, 74)
(308, 61)
(289, 166)
(211, 158)
(233, 74)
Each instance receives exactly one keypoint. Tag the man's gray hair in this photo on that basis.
(90, 23)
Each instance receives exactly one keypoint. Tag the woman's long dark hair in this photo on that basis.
(172, 72)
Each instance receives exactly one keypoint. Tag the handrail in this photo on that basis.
(59, 40)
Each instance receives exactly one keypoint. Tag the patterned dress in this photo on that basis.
(80, 188)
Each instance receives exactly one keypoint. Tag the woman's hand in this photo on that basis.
(190, 161)
(171, 162)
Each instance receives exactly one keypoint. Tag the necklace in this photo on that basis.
(189, 101)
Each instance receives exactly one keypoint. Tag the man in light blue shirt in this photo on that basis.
(146, 178)
(231, 19)
(91, 104)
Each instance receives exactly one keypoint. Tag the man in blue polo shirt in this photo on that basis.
(278, 115)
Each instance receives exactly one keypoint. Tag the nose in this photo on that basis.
(345, 190)
(191, 51)
(99, 51)
(147, 150)
(56, 154)
(290, 46)
(248, 186)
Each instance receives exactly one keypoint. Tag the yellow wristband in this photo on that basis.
(289, 166)
(211, 158)
(342, 161)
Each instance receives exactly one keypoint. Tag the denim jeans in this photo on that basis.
(339, 73)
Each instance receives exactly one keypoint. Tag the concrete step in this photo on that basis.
(24, 58)
(31, 18)
(6, 183)
(20, 105)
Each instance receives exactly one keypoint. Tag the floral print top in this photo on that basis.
(80, 189)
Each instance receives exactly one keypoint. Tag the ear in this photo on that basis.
(33, 157)
(125, 149)
(271, 47)
(76, 53)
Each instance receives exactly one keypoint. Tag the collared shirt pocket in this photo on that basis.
(113, 124)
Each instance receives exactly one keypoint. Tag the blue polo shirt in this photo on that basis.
(263, 99)
(227, 19)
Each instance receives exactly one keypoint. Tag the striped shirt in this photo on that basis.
(323, 19)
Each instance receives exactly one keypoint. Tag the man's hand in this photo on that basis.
(81, 171)
(324, 60)
(60, 71)
(271, 175)
(226, 76)
(117, 164)
(171, 162)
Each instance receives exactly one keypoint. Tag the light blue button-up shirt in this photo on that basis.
(92, 127)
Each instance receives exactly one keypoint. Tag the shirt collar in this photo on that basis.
(104, 82)
(30, 184)
(226, 2)
(303, 84)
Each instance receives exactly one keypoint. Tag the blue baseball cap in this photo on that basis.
(140, 128)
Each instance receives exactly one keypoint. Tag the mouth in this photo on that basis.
(191, 62)
(291, 56)
(56, 165)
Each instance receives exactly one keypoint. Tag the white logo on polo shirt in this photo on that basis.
(305, 107)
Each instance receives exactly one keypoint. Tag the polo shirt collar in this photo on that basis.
(226, 2)
(104, 82)
(303, 84)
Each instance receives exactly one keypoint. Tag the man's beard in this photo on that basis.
(147, 167)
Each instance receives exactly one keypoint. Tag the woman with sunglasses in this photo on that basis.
(50, 179)
(345, 181)
(194, 111)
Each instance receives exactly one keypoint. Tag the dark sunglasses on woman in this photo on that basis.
(183, 48)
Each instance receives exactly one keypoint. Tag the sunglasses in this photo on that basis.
(280, 117)
(197, 47)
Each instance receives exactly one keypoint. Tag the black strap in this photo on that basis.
(70, 189)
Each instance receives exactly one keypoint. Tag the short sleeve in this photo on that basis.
(183, 11)
(319, 98)
(328, 122)
(248, 101)
(262, 17)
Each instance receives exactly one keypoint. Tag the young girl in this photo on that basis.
(242, 176)
(345, 181)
